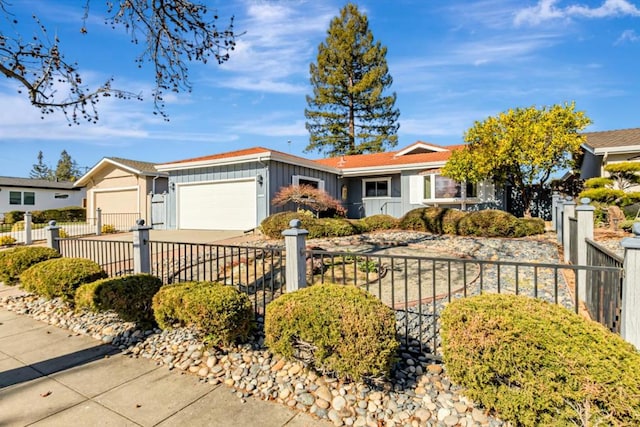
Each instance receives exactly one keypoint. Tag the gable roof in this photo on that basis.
(610, 141)
(8, 181)
(256, 154)
(134, 166)
(392, 160)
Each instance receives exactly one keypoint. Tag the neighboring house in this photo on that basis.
(25, 194)
(603, 148)
(233, 190)
(122, 186)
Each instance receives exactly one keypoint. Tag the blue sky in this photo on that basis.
(453, 63)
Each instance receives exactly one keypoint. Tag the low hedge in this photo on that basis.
(528, 227)
(336, 328)
(60, 277)
(129, 296)
(221, 312)
(274, 225)
(488, 223)
(432, 220)
(377, 222)
(537, 363)
(13, 262)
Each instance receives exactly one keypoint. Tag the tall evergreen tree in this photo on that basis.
(40, 170)
(67, 168)
(348, 112)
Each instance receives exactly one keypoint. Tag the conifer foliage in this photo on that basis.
(349, 112)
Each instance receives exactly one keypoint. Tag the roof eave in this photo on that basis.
(390, 168)
(614, 150)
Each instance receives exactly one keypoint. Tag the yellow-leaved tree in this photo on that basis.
(522, 147)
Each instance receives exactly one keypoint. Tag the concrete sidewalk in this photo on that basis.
(49, 377)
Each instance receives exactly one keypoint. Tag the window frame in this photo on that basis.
(430, 180)
(295, 180)
(32, 198)
(365, 181)
(12, 201)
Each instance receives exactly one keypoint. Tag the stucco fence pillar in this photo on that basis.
(295, 240)
(28, 220)
(568, 212)
(141, 248)
(53, 233)
(630, 314)
(584, 215)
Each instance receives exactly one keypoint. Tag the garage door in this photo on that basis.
(228, 205)
(121, 201)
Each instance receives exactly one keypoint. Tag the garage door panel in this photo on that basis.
(122, 201)
(229, 205)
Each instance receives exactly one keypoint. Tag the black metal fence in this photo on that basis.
(417, 288)
(604, 287)
(114, 256)
(258, 272)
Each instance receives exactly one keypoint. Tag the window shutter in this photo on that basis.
(416, 189)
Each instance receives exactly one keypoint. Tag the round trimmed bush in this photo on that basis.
(537, 363)
(432, 220)
(60, 277)
(129, 296)
(13, 262)
(274, 225)
(336, 328)
(528, 227)
(378, 222)
(488, 223)
(221, 312)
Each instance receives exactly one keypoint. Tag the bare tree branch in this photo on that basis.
(175, 32)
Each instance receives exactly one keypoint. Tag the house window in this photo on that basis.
(447, 188)
(307, 180)
(377, 187)
(60, 196)
(15, 198)
(440, 187)
(29, 198)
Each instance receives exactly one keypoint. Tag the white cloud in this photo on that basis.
(278, 44)
(627, 36)
(547, 10)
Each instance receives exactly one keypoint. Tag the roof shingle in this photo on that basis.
(613, 138)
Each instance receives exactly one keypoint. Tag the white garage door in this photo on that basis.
(121, 201)
(228, 205)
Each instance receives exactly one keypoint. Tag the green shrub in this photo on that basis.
(222, 312)
(13, 216)
(274, 225)
(13, 262)
(432, 220)
(377, 222)
(18, 226)
(129, 296)
(60, 277)
(598, 182)
(626, 225)
(108, 229)
(7, 241)
(604, 195)
(528, 227)
(488, 223)
(349, 331)
(68, 214)
(539, 364)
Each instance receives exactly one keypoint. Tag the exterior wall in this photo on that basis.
(281, 175)
(44, 199)
(217, 173)
(274, 175)
(399, 203)
(619, 158)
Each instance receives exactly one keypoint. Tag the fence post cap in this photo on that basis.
(52, 223)
(295, 229)
(295, 223)
(632, 242)
(139, 222)
(585, 206)
(585, 200)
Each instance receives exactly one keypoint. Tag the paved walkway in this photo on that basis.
(49, 377)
